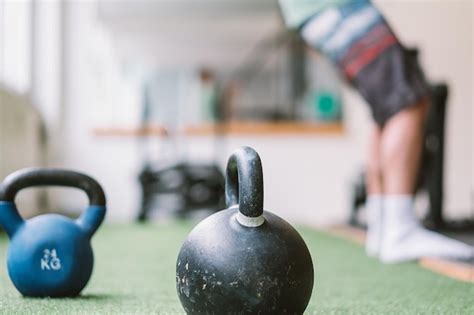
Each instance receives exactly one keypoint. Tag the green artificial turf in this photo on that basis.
(135, 274)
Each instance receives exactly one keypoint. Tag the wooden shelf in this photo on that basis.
(130, 132)
(266, 128)
(231, 128)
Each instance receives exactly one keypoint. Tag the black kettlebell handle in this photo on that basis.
(244, 182)
(30, 177)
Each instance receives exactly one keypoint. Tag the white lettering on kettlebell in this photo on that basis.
(50, 260)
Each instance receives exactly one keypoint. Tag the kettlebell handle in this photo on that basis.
(244, 186)
(90, 219)
(30, 177)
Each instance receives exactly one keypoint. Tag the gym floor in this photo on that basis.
(135, 274)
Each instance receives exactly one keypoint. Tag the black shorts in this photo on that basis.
(391, 82)
(357, 38)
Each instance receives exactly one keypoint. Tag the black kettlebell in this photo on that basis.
(244, 260)
(50, 254)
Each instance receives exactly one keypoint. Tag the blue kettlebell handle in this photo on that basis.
(89, 220)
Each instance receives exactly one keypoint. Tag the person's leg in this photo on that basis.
(374, 167)
(374, 204)
(400, 150)
(403, 238)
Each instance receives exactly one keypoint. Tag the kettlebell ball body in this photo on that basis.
(244, 260)
(50, 255)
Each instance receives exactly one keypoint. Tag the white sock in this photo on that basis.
(404, 238)
(374, 210)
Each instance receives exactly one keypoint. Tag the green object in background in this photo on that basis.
(134, 273)
(209, 101)
(327, 106)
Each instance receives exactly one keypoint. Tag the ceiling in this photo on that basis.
(216, 33)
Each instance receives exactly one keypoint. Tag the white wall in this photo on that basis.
(87, 81)
(306, 178)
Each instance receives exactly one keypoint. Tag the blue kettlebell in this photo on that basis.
(50, 255)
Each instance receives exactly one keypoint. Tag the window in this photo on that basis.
(15, 44)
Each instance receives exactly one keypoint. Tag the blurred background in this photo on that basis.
(151, 97)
